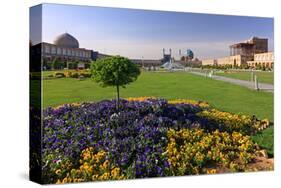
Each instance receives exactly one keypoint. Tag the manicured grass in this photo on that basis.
(219, 94)
(264, 77)
(48, 73)
(266, 140)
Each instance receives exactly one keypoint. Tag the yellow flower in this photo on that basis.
(115, 172)
(188, 150)
(186, 101)
(58, 172)
(64, 180)
(105, 164)
(92, 169)
(104, 176)
(58, 182)
(140, 99)
(95, 177)
(211, 171)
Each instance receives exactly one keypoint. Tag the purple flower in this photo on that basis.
(135, 137)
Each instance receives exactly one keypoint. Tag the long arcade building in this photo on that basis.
(65, 49)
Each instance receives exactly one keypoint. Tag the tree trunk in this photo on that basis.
(117, 87)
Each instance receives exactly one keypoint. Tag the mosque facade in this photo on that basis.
(65, 49)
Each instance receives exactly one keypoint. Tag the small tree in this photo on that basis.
(114, 71)
(73, 65)
(56, 64)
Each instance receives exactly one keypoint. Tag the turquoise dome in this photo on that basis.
(189, 54)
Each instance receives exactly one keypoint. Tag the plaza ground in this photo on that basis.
(264, 77)
(169, 85)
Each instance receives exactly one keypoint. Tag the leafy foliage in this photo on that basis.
(56, 64)
(113, 71)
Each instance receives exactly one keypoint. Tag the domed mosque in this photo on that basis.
(65, 49)
(169, 62)
(189, 54)
(66, 40)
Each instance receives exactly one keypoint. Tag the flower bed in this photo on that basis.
(146, 138)
(229, 122)
(198, 152)
(93, 166)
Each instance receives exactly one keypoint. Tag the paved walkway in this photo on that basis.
(248, 84)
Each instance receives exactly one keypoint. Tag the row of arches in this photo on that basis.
(51, 63)
(261, 64)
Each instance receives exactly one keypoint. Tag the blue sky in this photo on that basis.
(142, 33)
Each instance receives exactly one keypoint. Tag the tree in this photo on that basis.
(56, 64)
(114, 71)
(73, 65)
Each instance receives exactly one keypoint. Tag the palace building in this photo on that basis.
(248, 53)
(262, 60)
(249, 47)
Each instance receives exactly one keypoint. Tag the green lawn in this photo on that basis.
(48, 73)
(264, 77)
(219, 94)
(266, 140)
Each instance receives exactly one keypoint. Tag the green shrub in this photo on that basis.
(85, 74)
(67, 74)
(56, 64)
(59, 75)
(87, 65)
(74, 75)
(72, 65)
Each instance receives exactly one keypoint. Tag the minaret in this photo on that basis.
(170, 57)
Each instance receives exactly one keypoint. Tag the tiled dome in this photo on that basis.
(66, 40)
(189, 54)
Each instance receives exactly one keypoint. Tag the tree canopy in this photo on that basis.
(114, 71)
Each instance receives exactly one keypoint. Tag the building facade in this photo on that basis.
(249, 47)
(210, 62)
(234, 60)
(65, 49)
(148, 62)
(51, 51)
(252, 52)
(264, 60)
